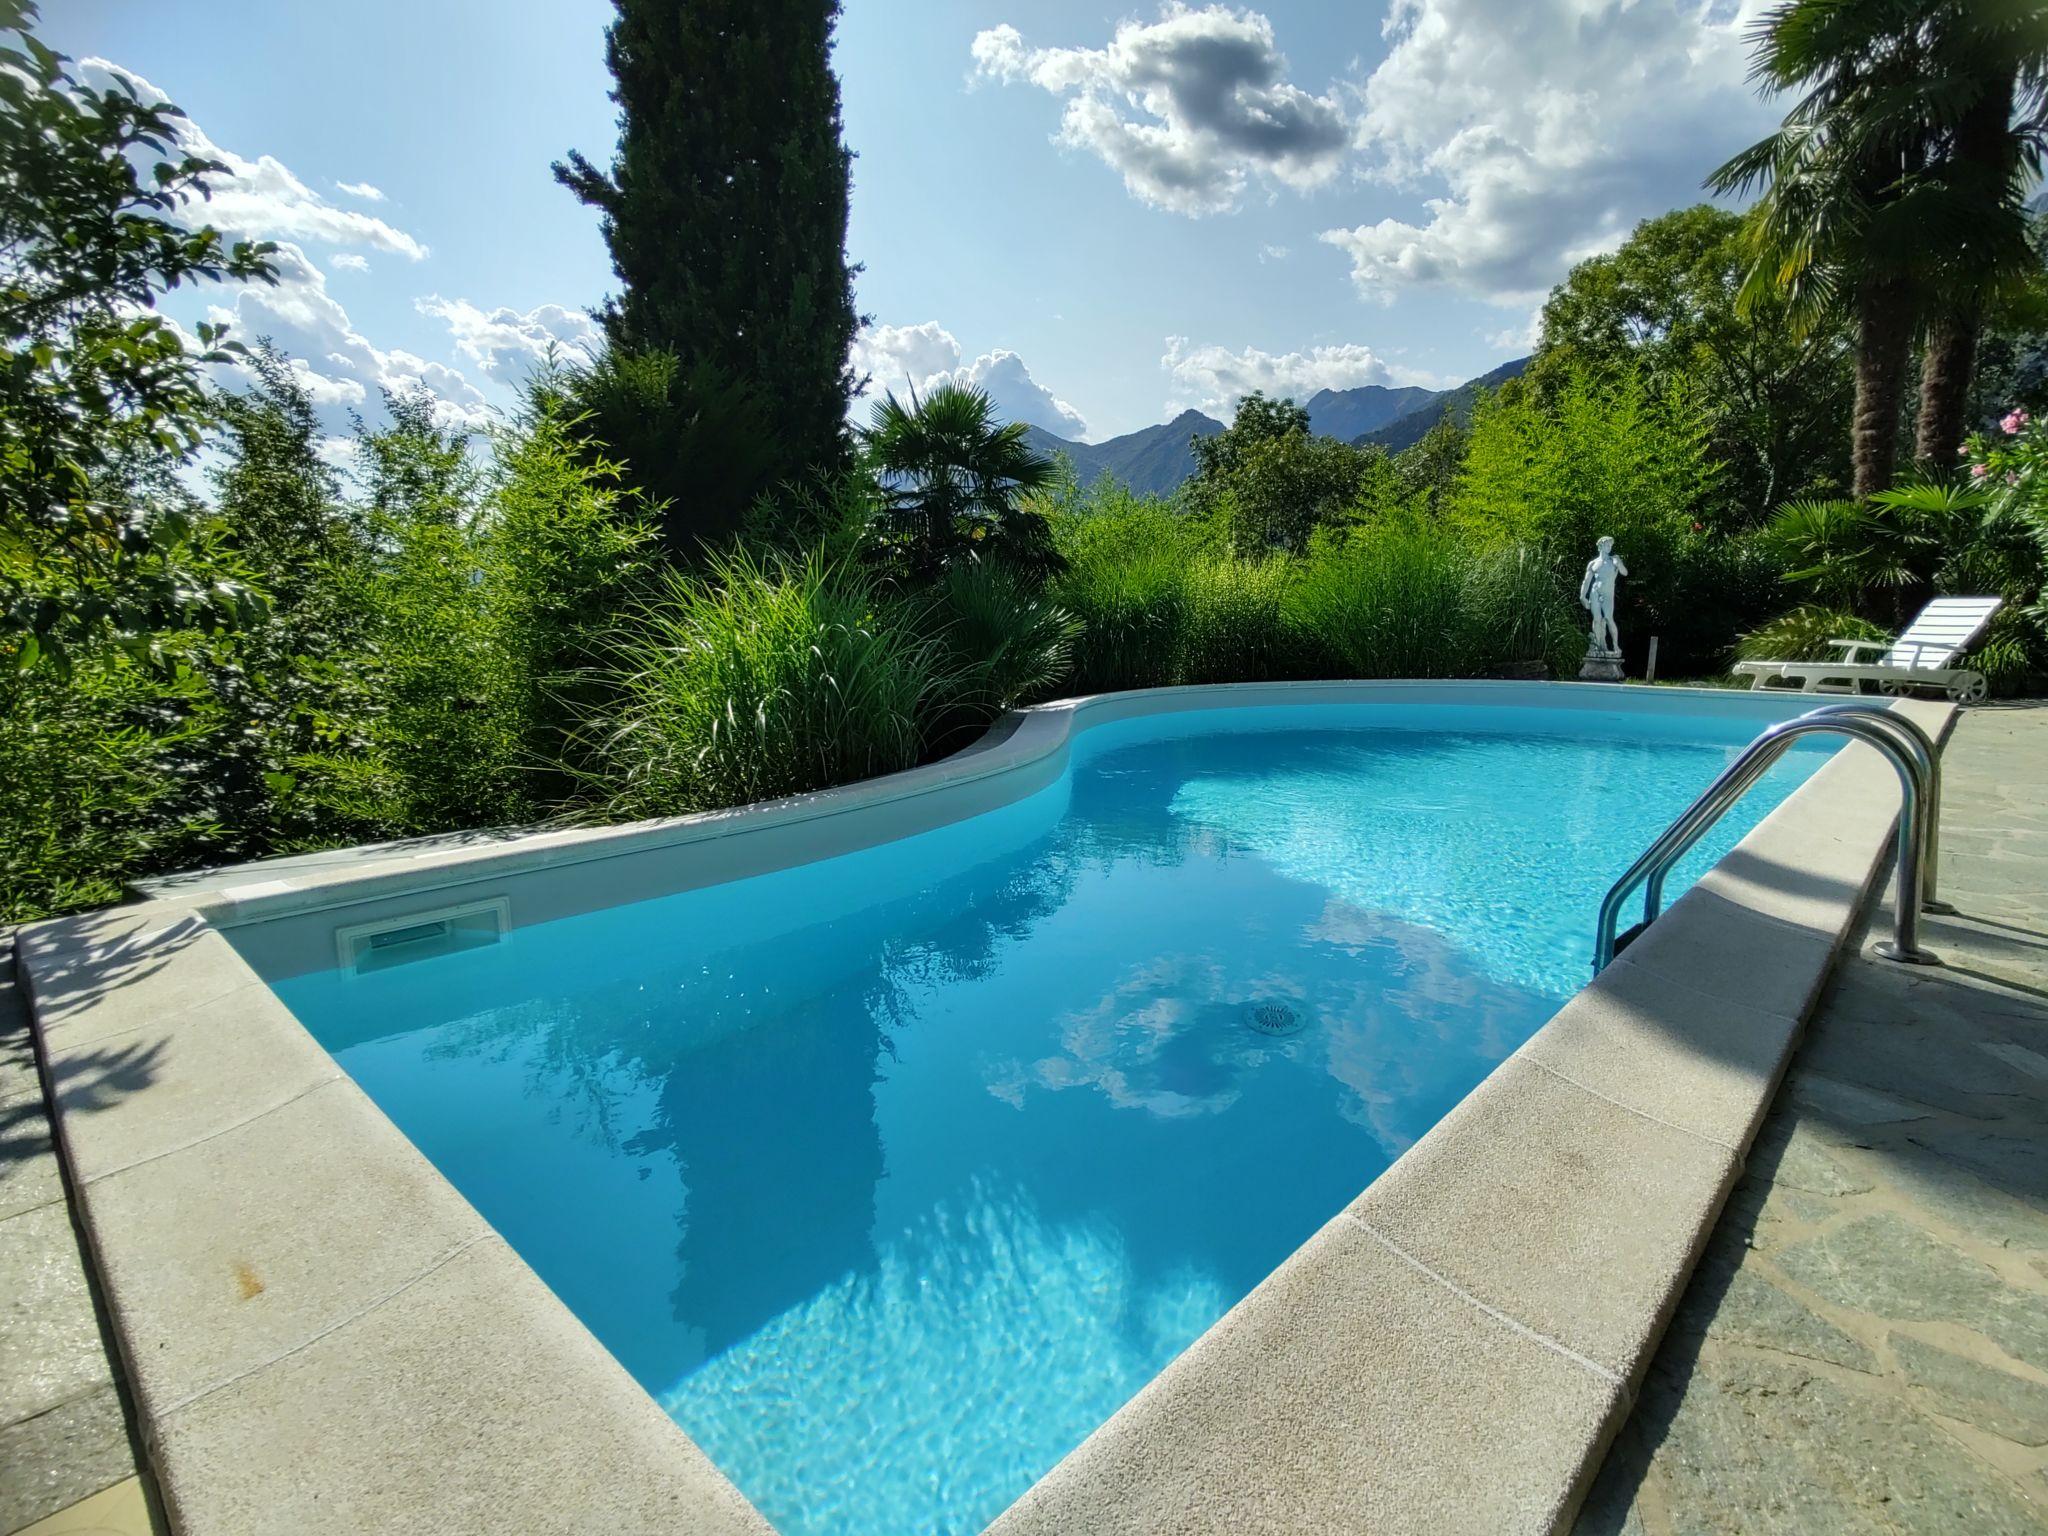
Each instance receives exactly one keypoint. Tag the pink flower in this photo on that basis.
(2013, 422)
(1979, 471)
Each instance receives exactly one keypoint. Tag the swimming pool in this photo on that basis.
(893, 1175)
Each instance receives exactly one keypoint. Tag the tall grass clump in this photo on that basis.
(1804, 634)
(1389, 602)
(1518, 611)
(756, 680)
(1126, 582)
(1235, 626)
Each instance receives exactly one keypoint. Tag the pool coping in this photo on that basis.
(326, 1343)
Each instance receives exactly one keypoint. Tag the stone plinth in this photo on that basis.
(1600, 666)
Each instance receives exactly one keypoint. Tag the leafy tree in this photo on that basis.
(1270, 482)
(1258, 420)
(412, 469)
(1429, 471)
(725, 209)
(289, 683)
(1666, 302)
(694, 447)
(482, 601)
(89, 239)
(954, 483)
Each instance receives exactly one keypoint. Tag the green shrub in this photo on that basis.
(1518, 611)
(759, 681)
(97, 780)
(1234, 624)
(1125, 561)
(1804, 633)
(1004, 641)
(1388, 602)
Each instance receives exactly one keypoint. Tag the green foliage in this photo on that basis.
(1271, 483)
(1844, 550)
(1620, 455)
(725, 210)
(693, 446)
(1774, 395)
(1426, 475)
(481, 604)
(288, 673)
(89, 374)
(1804, 635)
(1399, 596)
(762, 680)
(95, 763)
(1236, 627)
(1126, 581)
(1416, 601)
(1002, 641)
(1388, 603)
(954, 486)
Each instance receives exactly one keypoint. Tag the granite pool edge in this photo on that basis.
(194, 1114)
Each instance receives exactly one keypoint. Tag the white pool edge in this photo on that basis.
(403, 1366)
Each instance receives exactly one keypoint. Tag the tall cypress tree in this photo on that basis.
(725, 211)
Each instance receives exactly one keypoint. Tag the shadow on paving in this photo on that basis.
(66, 1429)
(1864, 1347)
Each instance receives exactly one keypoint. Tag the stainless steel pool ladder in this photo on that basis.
(1909, 749)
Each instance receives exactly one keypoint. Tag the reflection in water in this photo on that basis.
(893, 1176)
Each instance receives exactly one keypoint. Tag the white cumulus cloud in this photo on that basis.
(506, 343)
(362, 189)
(261, 199)
(1541, 131)
(1189, 109)
(348, 261)
(1213, 379)
(340, 367)
(903, 358)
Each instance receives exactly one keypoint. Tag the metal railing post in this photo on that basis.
(1915, 736)
(1909, 750)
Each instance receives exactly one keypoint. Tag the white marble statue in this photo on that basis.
(1596, 593)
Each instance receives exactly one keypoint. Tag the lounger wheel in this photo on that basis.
(1968, 688)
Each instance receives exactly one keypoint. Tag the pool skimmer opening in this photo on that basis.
(1275, 1019)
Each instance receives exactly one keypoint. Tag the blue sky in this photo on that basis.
(1103, 215)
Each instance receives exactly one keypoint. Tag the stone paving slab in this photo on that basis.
(1864, 1347)
(64, 1435)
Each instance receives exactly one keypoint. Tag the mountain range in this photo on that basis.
(1155, 460)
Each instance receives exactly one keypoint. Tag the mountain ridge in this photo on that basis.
(1153, 461)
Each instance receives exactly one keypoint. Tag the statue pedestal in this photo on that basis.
(1600, 666)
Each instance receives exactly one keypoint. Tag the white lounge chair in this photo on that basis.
(1922, 657)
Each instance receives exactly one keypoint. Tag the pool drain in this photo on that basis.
(1275, 1019)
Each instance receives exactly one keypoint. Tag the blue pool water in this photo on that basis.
(891, 1177)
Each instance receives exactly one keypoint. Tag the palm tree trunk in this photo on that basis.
(1945, 372)
(1884, 326)
(1987, 153)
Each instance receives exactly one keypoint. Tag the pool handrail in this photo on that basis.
(1904, 744)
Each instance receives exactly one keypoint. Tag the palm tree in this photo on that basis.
(953, 481)
(1844, 218)
(1986, 94)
